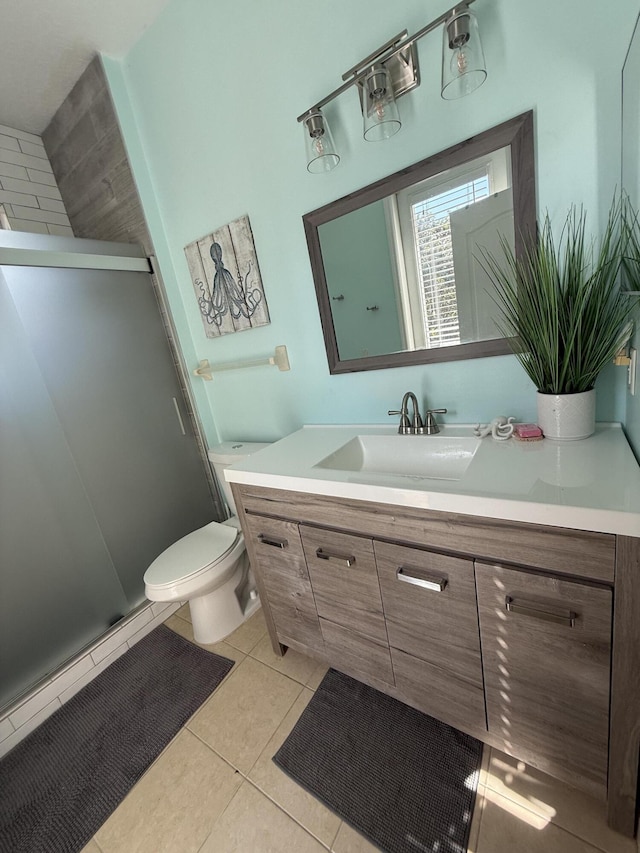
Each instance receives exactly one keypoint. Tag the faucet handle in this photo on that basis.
(430, 423)
(405, 423)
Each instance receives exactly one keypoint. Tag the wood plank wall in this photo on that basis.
(89, 160)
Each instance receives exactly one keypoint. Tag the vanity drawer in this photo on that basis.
(278, 557)
(546, 647)
(355, 652)
(579, 553)
(430, 607)
(439, 693)
(343, 575)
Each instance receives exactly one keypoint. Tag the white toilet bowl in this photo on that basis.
(209, 567)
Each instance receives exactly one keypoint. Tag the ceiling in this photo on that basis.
(45, 45)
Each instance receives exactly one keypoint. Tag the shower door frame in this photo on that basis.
(20, 249)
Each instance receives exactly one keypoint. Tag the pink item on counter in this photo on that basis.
(528, 431)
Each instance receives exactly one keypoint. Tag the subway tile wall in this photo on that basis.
(29, 193)
(19, 720)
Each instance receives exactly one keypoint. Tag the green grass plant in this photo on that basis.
(560, 303)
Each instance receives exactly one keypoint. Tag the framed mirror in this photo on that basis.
(395, 264)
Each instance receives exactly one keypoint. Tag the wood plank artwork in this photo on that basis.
(226, 278)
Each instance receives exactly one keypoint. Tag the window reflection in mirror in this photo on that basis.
(396, 264)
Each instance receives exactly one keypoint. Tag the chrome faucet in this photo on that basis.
(414, 425)
(408, 426)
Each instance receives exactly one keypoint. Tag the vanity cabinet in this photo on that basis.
(432, 623)
(546, 647)
(344, 579)
(501, 629)
(278, 561)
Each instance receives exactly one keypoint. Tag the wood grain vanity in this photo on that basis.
(525, 635)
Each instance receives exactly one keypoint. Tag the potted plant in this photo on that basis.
(564, 314)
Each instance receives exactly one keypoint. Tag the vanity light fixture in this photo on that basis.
(379, 108)
(463, 67)
(390, 72)
(321, 151)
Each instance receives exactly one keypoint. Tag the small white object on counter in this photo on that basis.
(500, 428)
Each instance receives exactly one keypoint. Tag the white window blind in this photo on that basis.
(434, 256)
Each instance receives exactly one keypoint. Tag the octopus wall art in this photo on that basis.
(226, 278)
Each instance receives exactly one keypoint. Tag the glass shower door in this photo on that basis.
(57, 579)
(97, 476)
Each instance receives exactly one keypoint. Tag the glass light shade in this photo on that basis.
(379, 108)
(320, 148)
(463, 65)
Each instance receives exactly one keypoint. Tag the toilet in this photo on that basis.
(209, 567)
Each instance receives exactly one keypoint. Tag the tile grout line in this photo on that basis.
(185, 728)
(226, 760)
(246, 776)
(591, 843)
(279, 671)
(216, 753)
(250, 654)
(335, 837)
(94, 838)
(228, 641)
(248, 781)
(584, 840)
(285, 812)
(479, 804)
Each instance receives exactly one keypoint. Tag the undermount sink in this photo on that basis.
(438, 457)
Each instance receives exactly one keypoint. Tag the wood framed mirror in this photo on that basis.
(395, 264)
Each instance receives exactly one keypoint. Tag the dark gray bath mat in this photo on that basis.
(401, 778)
(59, 785)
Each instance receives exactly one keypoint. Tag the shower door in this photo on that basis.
(99, 471)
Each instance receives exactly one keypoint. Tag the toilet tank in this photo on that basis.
(226, 454)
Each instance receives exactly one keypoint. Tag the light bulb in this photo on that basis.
(463, 66)
(379, 110)
(461, 61)
(321, 153)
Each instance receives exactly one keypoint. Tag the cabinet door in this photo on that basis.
(356, 653)
(546, 646)
(343, 574)
(432, 622)
(279, 560)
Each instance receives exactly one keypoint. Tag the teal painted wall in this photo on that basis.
(208, 100)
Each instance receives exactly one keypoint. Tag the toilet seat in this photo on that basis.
(195, 554)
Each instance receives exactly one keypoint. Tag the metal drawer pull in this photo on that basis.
(435, 585)
(272, 540)
(332, 555)
(568, 619)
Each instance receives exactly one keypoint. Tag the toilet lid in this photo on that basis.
(191, 554)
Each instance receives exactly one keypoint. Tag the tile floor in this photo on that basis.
(214, 789)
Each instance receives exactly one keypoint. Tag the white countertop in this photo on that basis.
(593, 484)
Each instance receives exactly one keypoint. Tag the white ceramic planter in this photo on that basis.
(567, 417)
